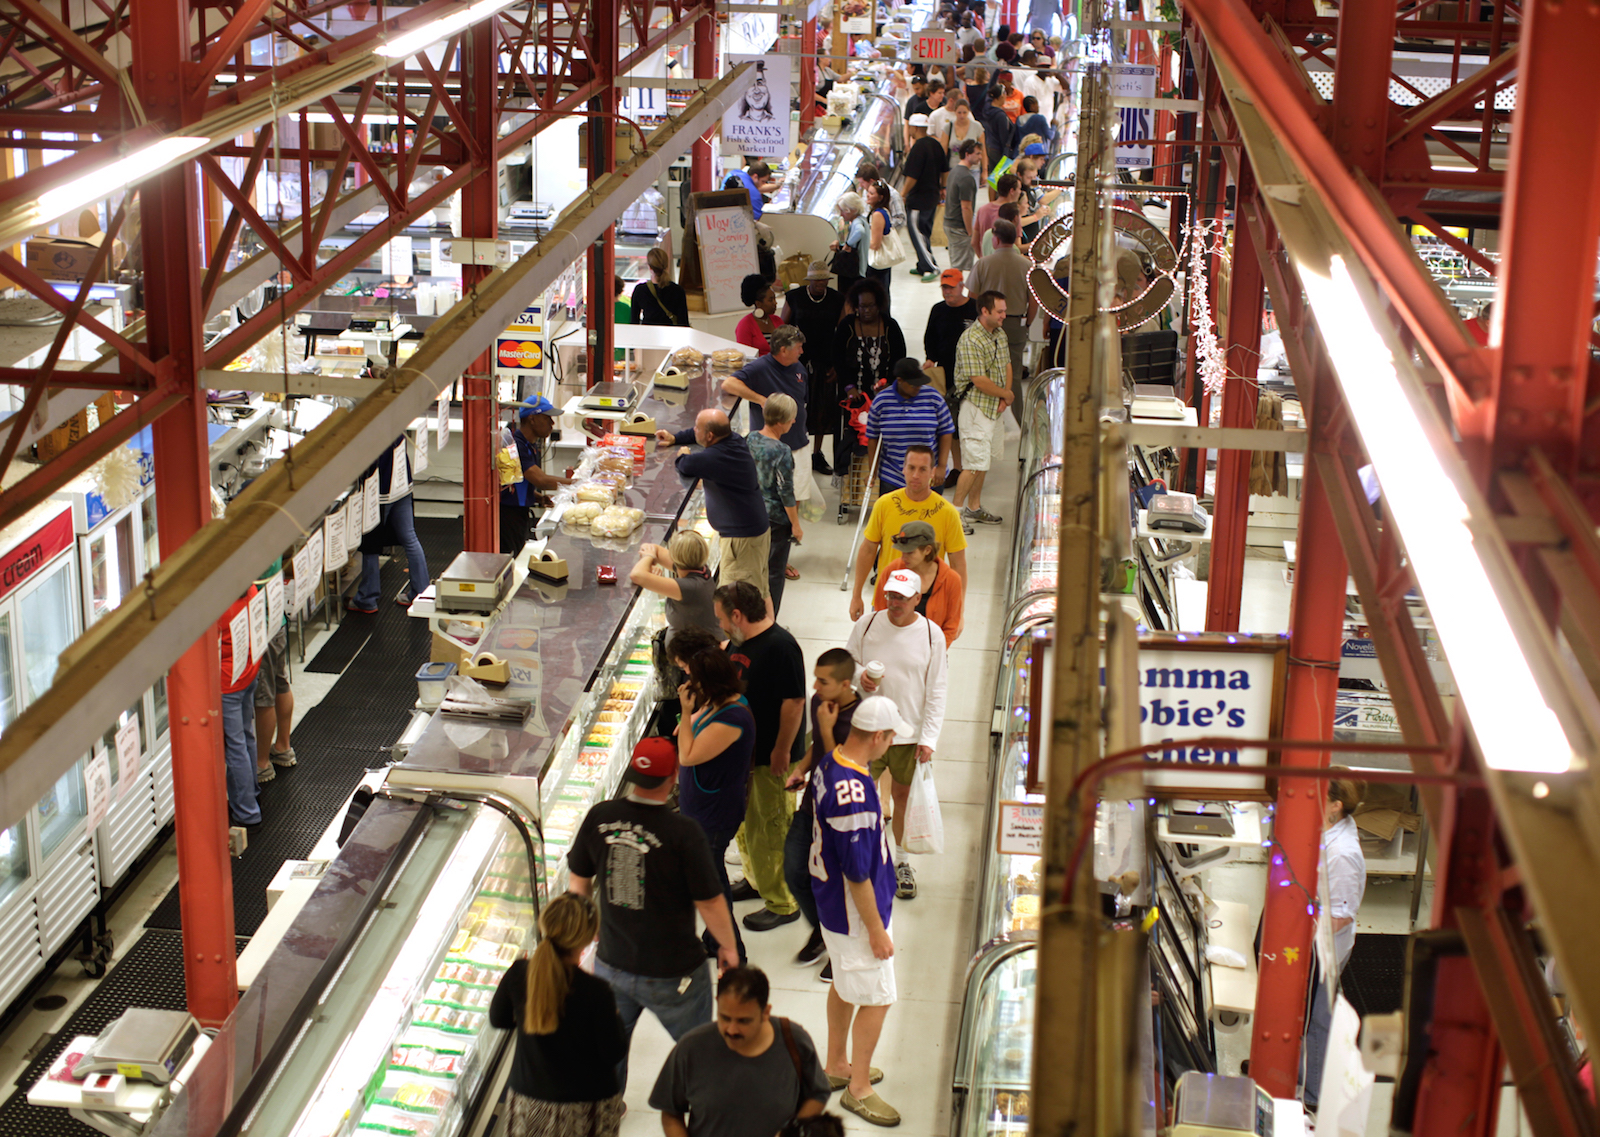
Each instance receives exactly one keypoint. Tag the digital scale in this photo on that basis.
(1217, 1105)
(1155, 400)
(142, 1044)
(618, 398)
(474, 582)
(1180, 511)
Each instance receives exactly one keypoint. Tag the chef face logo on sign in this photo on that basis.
(759, 125)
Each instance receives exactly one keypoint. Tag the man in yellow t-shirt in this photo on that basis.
(916, 502)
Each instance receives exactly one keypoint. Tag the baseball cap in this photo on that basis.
(536, 405)
(918, 120)
(654, 760)
(1034, 148)
(878, 712)
(903, 582)
(914, 535)
(952, 276)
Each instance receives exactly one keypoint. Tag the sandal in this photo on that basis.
(790, 573)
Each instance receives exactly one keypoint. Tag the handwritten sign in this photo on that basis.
(421, 445)
(239, 643)
(399, 480)
(758, 124)
(371, 502)
(127, 755)
(727, 254)
(333, 554)
(442, 424)
(275, 603)
(258, 625)
(933, 45)
(1021, 829)
(97, 781)
(303, 586)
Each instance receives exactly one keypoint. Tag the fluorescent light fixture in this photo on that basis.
(116, 175)
(440, 29)
(1514, 724)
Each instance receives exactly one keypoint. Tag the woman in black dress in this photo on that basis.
(660, 300)
(868, 342)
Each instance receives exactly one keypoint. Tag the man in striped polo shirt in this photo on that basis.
(907, 413)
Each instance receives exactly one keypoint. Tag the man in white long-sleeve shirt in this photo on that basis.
(912, 650)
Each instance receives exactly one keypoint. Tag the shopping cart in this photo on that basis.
(858, 489)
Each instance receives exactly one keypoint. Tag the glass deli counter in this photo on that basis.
(994, 1051)
(827, 167)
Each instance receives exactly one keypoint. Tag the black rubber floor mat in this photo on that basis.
(1375, 978)
(149, 975)
(347, 733)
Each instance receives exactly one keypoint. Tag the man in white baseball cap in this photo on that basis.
(912, 651)
(854, 887)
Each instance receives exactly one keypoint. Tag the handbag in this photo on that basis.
(1003, 166)
(890, 252)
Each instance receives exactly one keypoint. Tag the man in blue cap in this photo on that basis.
(536, 418)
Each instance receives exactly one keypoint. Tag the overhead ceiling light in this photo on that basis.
(110, 178)
(1513, 721)
(440, 29)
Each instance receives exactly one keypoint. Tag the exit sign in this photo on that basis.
(933, 46)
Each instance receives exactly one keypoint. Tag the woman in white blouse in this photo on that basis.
(1344, 870)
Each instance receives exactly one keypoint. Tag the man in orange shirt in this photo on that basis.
(239, 716)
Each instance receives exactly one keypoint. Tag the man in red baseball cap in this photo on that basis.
(655, 872)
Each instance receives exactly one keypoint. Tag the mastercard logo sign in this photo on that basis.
(520, 353)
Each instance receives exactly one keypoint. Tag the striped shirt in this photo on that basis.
(901, 422)
(986, 353)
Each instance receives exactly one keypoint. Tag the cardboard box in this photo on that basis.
(70, 258)
(443, 651)
(57, 441)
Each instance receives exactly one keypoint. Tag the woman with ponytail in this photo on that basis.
(569, 1035)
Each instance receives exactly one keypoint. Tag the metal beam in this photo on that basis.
(121, 656)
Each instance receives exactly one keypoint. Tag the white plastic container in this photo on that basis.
(431, 680)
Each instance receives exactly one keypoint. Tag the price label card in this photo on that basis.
(258, 625)
(354, 514)
(127, 755)
(399, 481)
(441, 433)
(333, 554)
(303, 587)
(316, 545)
(1021, 830)
(239, 642)
(422, 450)
(275, 604)
(371, 502)
(97, 780)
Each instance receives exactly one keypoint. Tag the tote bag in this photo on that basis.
(890, 252)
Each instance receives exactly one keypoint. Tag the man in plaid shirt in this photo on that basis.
(982, 381)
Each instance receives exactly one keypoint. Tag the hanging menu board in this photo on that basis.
(727, 238)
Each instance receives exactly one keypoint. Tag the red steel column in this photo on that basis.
(1365, 46)
(1544, 301)
(1316, 618)
(602, 160)
(480, 218)
(705, 69)
(1239, 397)
(170, 209)
(808, 75)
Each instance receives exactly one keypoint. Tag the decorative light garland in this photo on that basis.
(1209, 356)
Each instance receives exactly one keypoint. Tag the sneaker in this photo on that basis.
(743, 891)
(265, 774)
(873, 1110)
(284, 758)
(905, 882)
(979, 517)
(356, 606)
(826, 975)
(404, 598)
(814, 950)
(765, 919)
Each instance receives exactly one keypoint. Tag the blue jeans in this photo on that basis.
(1314, 1053)
(796, 863)
(239, 752)
(678, 1011)
(400, 517)
(720, 839)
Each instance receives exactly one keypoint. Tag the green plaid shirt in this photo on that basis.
(980, 352)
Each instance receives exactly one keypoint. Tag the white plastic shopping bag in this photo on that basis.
(924, 824)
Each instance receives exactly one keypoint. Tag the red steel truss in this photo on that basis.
(1383, 152)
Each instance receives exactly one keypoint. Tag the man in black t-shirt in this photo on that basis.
(923, 186)
(655, 872)
(947, 321)
(774, 673)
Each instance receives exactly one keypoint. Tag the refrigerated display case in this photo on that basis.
(994, 1050)
(827, 167)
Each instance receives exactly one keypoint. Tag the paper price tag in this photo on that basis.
(333, 554)
(1021, 829)
(354, 512)
(275, 603)
(302, 587)
(422, 450)
(371, 502)
(258, 625)
(239, 642)
(316, 546)
(441, 433)
(97, 781)
(127, 755)
(400, 480)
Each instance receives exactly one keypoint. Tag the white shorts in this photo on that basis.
(861, 978)
(982, 440)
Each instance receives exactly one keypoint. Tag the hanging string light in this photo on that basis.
(1209, 356)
